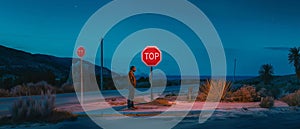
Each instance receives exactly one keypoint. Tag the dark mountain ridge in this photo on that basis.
(18, 67)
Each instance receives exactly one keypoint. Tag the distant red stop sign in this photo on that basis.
(151, 56)
(81, 52)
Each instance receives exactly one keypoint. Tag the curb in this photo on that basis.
(140, 114)
(106, 113)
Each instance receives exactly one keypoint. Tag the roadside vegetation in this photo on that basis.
(35, 89)
(266, 88)
(38, 110)
(292, 99)
(242, 94)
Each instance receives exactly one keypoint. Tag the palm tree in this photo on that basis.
(294, 57)
(266, 73)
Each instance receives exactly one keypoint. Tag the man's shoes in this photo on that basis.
(131, 108)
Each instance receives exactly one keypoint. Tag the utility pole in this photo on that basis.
(101, 68)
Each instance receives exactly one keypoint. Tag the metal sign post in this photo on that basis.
(101, 68)
(151, 81)
(81, 81)
(80, 54)
(151, 56)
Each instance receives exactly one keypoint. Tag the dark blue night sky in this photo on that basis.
(254, 32)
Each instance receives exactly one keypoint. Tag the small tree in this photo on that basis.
(266, 73)
(294, 58)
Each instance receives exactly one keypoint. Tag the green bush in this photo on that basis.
(267, 102)
(244, 94)
(292, 99)
(28, 109)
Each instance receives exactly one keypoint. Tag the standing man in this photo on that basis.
(131, 88)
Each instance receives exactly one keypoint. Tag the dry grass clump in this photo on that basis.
(31, 89)
(29, 109)
(35, 89)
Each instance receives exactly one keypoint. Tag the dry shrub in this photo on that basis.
(244, 94)
(28, 109)
(267, 102)
(31, 89)
(34, 109)
(218, 89)
(292, 99)
(4, 93)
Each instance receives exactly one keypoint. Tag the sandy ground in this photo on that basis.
(149, 107)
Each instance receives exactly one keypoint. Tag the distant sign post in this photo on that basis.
(80, 54)
(151, 56)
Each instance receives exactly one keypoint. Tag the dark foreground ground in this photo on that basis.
(274, 121)
(270, 121)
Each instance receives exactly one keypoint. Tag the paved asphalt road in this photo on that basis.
(272, 121)
(70, 98)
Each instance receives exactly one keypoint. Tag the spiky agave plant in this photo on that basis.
(214, 90)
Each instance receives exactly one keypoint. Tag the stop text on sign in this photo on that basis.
(151, 56)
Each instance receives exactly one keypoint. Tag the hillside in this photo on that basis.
(17, 67)
(284, 79)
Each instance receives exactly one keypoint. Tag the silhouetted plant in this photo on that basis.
(294, 57)
(266, 73)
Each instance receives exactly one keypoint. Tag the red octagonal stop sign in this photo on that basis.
(151, 56)
(81, 52)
